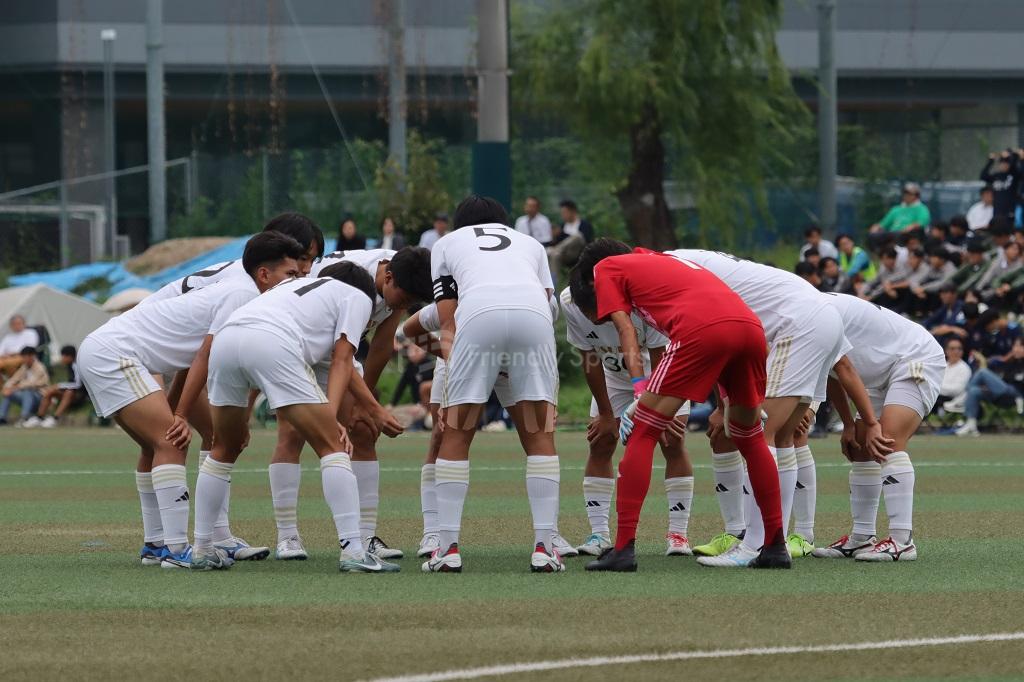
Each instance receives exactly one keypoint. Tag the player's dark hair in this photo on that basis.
(28, 350)
(69, 351)
(300, 228)
(581, 279)
(352, 275)
(268, 248)
(478, 210)
(411, 269)
(805, 269)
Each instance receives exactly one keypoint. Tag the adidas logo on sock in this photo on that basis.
(593, 503)
(890, 480)
(721, 488)
(184, 497)
(800, 486)
(592, 335)
(677, 508)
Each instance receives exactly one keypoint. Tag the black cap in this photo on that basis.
(976, 246)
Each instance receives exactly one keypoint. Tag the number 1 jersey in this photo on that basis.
(490, 267)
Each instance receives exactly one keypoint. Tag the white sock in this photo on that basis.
(222, 527)
(451, 483)
(172, 495)
(753, 536)
(597, 495)
(284, 490)
(898, 488)
(342, 494)
(787, 482)
(542, 477)
(729, 476)
(212, 487)
(805, 497)
(428, 499)
(152, 527)
(680, 498)
(368, 477)
(865, 489)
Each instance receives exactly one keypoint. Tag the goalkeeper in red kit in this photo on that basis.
(714, 338)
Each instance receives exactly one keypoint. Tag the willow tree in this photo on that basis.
(697, 85)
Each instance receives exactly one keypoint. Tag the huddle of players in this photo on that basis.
(764, 340)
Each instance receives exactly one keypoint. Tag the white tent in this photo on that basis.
(67, 317)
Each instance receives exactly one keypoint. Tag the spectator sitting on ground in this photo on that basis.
(568, 239)
(881, 290)
(12, 343)
(949, 320)
(907, 214)
(390, 237)
(833, 279)
(813, 257)
(67, 394)
(534, 223)
(25, 385)
(440, 229)
(1004, 180)
(980, 214)
(854, 261)
(959, 235)
(1002, 269)
(953, 392)
(925, 287)
(996, 337)
(809, 272)
(973, 268)
(815, 241)
(349, 238)
(918, 270)
(1004, 385)
(1001, 232)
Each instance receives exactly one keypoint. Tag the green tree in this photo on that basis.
(697, 84)
(412, 198)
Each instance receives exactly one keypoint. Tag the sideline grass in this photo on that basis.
(73, 601)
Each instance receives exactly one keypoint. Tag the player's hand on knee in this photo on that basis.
(601, 428)
(716, 424)
(344, 444)
(361, 419)
(388, 424)
(876, 444)
(673, 433)
(180, 434)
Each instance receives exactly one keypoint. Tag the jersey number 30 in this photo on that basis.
(503, 241)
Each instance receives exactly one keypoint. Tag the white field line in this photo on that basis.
(569, 663)
(565, 467)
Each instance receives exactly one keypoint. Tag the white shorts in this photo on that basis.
(518, 342)
(112, 378)
(799, 361)
(620, 400)
(914, 384)
(323, 370)
(244, 358)
(501, 387)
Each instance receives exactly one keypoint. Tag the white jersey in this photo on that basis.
(491, 267)
(197, 280)
(313, 313)
(166, 335)
(882, 340)
(779, 298)
(369, 260)
(603, 339)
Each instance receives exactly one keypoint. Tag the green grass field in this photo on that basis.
(74, 602)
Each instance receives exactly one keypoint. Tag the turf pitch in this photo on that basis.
(74, 601)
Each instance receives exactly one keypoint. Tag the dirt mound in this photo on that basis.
(171, 252)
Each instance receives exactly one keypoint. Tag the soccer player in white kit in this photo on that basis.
(612, 390)
(902, 366)
(805, 338)
(311, 238)
(493, 287)
(273, 345)
(117, 362)
(401, 278)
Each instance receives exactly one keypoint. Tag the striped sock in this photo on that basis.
(542, 479)
(763, 473)
(898, 488)
(805, 496)
(342, 495)
(368, 478)
(729, 476)
(428, 499)
(222, 526)
(171, 491)
(451, 483)
(680, 498)
(597, 495)
(635, 472)
(284, 491)
(865, 489)
(787, 481)
(152, 527)
(211, 487)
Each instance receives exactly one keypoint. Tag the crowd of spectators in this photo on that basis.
(962, 279)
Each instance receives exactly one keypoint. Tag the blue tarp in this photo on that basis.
(122, 279)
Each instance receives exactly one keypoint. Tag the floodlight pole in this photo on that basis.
(492, 163)
(108, 36)
(396, 84)
(827, 113)
(155, 121)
